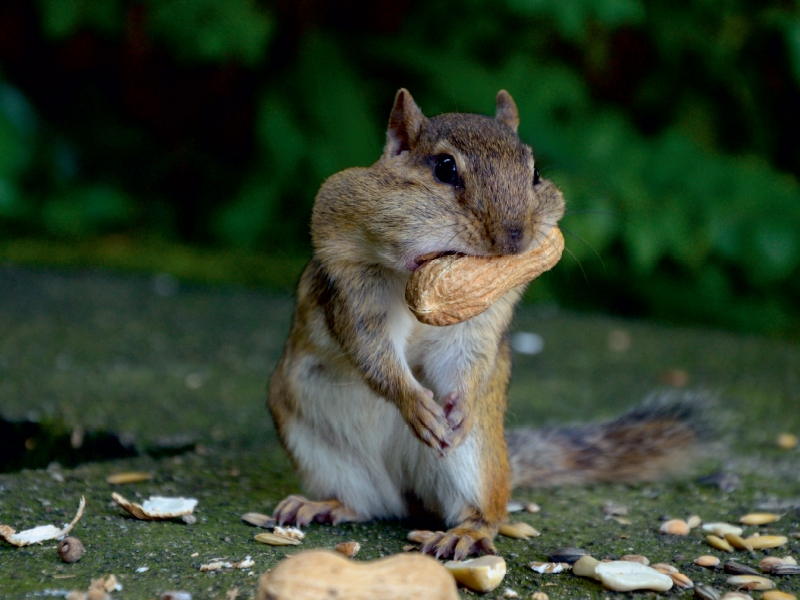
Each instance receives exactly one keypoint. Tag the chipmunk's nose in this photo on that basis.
(513, 241)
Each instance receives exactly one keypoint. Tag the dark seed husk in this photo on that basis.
(735, 568)
(785, 570)
(706, 592)
(566, 555)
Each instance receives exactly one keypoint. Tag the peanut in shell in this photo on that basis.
(452, 289)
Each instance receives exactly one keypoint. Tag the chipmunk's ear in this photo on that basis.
(506, 111)
(405, 123)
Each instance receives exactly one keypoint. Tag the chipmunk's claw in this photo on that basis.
(301, 511)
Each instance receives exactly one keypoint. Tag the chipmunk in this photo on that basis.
(381, 413)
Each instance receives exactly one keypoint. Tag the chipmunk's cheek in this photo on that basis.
(412, 265)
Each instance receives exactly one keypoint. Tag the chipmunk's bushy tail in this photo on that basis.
(661, 436)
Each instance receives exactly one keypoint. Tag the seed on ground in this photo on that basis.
(707, 561)
(674, 527)
(759, 518)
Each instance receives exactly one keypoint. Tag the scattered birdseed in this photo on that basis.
(509, 593)
(766, 541)
(720, 529)
(674, 527)
(128, 477)
(642, 560)
(681, 580)
(419, 536)
(272, 539)
(566, 555)
(348, 549)
(751, 582)
(259, 520)
(719, 543)
(734, 568)
(706, 592)
(707, 561)
(777, 595)
(694, 521)
(519, 530)
(532, 507)
(664, 568)
(514, 506)
(759, 518)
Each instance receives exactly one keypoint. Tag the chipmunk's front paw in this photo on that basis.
(301, 511)
(459, 543)
(456, 411)
(430, 425)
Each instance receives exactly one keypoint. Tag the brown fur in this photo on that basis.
(369, 226)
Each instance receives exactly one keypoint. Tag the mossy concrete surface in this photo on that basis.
(166, 365)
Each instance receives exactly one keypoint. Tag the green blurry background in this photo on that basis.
(190, 136)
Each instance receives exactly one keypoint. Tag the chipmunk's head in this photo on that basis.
(474, 183)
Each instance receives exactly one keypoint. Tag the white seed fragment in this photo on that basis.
(348, 549)
(707, 561)
(642, 560)
(276, 540)
(550, 567)
(759, 518)
(479, 574)
(751, 582)
(532, 507)
(623, 576)
(720, 529)
(694, 521)
(539, 596)
(674, 527)
(419, 536)
(519, 530)
(514, 506)
(509, 593)
(789, 560)
(290, 532)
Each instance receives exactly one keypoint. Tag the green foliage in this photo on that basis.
(672, 128)
(213, 30)
(62, 18)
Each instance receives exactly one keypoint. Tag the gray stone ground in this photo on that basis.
(166, 364)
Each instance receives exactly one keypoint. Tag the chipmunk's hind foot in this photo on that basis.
(460, 542)
(302, 511)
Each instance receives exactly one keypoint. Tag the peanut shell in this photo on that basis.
(451, 289)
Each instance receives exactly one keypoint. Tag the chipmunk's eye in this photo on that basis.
(444, 169)
(536, 178)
